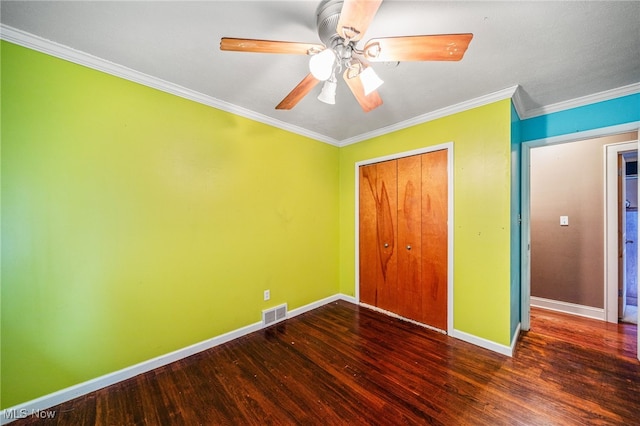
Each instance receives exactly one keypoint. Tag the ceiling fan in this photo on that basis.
(341, 25)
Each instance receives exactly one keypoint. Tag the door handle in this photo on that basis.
(386, 245)
(629, 241)
(408, 247)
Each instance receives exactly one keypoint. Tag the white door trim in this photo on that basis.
(525, 285)
(611, 226)
(447, 146)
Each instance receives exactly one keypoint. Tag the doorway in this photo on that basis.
(620, 240)
(629, 299)
(526, 215)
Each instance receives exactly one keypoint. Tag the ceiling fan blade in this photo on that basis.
(268, 46)
(355, 17)
(298, 92)
(367, 102)
(442, 47)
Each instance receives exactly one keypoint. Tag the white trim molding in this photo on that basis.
(518, 103)
(24, 39)
(485, 343)
(49, 47)
(633, 126)
(606, 95)
(434, 115)
(611, 226)
(40, 405)
(568, 308)
(525, 195)
(525, 199)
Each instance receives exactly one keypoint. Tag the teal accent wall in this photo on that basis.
(609, 113)
(515, 221)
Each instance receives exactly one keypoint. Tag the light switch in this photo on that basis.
(564, 220)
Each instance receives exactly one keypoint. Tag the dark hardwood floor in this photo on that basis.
(342, 364)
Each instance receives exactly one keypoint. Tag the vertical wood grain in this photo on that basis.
(367, 246)
(409, 238)
(378, 216)
(434, 238)
(403, 204)
(387, 216)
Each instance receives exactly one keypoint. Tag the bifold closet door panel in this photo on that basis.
(409, 237)
(434, 238)
(377, 234)
(403, 237)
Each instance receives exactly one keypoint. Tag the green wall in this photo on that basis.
(135, 223)
(482, 203)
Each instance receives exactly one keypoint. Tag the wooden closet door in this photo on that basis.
(409, 238)
(434, 238)
(377, 235)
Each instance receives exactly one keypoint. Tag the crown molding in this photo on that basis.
(66, 53)
(49, 47)
(518, 103)
(607, 95)
(434, 115)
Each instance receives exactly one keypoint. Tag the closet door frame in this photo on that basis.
(448, 146)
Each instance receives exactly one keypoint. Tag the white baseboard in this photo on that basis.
(350, 299)
(313, 305)
(569, 308)
(40, 405)
(484, 343)
(461, 335)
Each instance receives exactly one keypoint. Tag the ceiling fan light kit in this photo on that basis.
(321, 65)
(328, 93)
(370, 80)
(341, 24)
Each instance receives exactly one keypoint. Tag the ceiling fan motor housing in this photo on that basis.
(341, 25)
(328, 13)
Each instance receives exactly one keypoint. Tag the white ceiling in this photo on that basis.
(555, 51)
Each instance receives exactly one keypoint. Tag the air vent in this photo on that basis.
(274, 315)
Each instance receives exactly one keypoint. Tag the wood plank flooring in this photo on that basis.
(343, 364)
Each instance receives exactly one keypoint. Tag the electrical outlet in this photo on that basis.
(267, 295)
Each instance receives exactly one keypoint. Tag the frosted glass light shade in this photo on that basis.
(328, 93)
(370, 80)
(321, 64)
